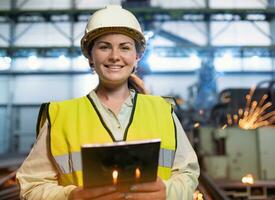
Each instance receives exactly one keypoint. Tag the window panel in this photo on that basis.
(238, 3)
(239, 33)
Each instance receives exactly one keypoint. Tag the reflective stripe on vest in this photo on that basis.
(76, 122)
(72, 162)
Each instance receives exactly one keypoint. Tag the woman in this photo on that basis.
(117, 109)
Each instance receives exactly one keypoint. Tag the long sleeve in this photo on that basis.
(185, 170)
(37, 176)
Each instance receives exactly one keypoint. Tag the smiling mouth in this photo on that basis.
(113, 66)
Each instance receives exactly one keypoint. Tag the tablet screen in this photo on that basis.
(120, 163)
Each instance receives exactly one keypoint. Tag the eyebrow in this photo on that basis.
(123, 43)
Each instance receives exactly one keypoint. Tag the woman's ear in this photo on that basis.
(135, 66)
(137, 59)
(92, 67)
(91, 62)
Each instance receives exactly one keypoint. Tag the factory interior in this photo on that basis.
(215, 60)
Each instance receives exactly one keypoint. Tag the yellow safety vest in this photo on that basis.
(77, 121)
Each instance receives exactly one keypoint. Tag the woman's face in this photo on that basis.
(114, 57)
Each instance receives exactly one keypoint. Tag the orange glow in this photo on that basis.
(248, 179)
(224, 126)
(197, 195)
(240, 112)
(196, 125)
(254, 114)
(115, 175)
(229, 119)
(138, 172)
(236, 118)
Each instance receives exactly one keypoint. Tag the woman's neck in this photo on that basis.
(113, 98)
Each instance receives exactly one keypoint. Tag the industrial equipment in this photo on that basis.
(236, 148)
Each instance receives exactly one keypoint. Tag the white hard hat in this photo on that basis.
(112, 19)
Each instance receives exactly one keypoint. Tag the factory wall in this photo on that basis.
(21, 95)
(35, 89)
(179, 84)
(27, 92)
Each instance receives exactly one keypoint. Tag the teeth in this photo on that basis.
(114, 66)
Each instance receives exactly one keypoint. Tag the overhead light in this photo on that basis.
(195, 60)
(63, 62)
(255, 59)
(227, 57)
(153, 60)
(226, 62)
(81, 62)
(148, 35)
(34, 63)
(5, 63)
(256, 17)
(173, 64)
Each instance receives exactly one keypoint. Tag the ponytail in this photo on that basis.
(137, 84)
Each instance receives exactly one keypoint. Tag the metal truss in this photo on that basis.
(147, 15)
(144, 14)
(237, 51)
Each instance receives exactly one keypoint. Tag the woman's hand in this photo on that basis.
(151, 191)
(100, 193)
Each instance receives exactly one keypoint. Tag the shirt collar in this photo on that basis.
(128, 102)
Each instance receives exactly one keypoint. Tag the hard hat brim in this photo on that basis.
(88, 38)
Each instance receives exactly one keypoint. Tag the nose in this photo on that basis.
(114, 55)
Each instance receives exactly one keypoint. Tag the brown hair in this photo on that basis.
(137, 84)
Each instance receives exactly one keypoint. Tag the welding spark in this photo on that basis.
(197, 195)
(224, 126)
(254, 114)
(115, 176)
(248, 179)
(137, 173)
(197, 125)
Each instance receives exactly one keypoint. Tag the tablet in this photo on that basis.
(120, 163)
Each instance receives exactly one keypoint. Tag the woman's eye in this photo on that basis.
(126, 48)
(103, 47)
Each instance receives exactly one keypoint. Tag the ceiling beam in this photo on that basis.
(144, 14)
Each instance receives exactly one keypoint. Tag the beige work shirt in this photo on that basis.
(37, 177)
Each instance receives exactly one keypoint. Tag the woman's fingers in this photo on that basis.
(112, 196)
(94, 193)
(151, 191)
(159, 195)
(142, 191)
(147, 187)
